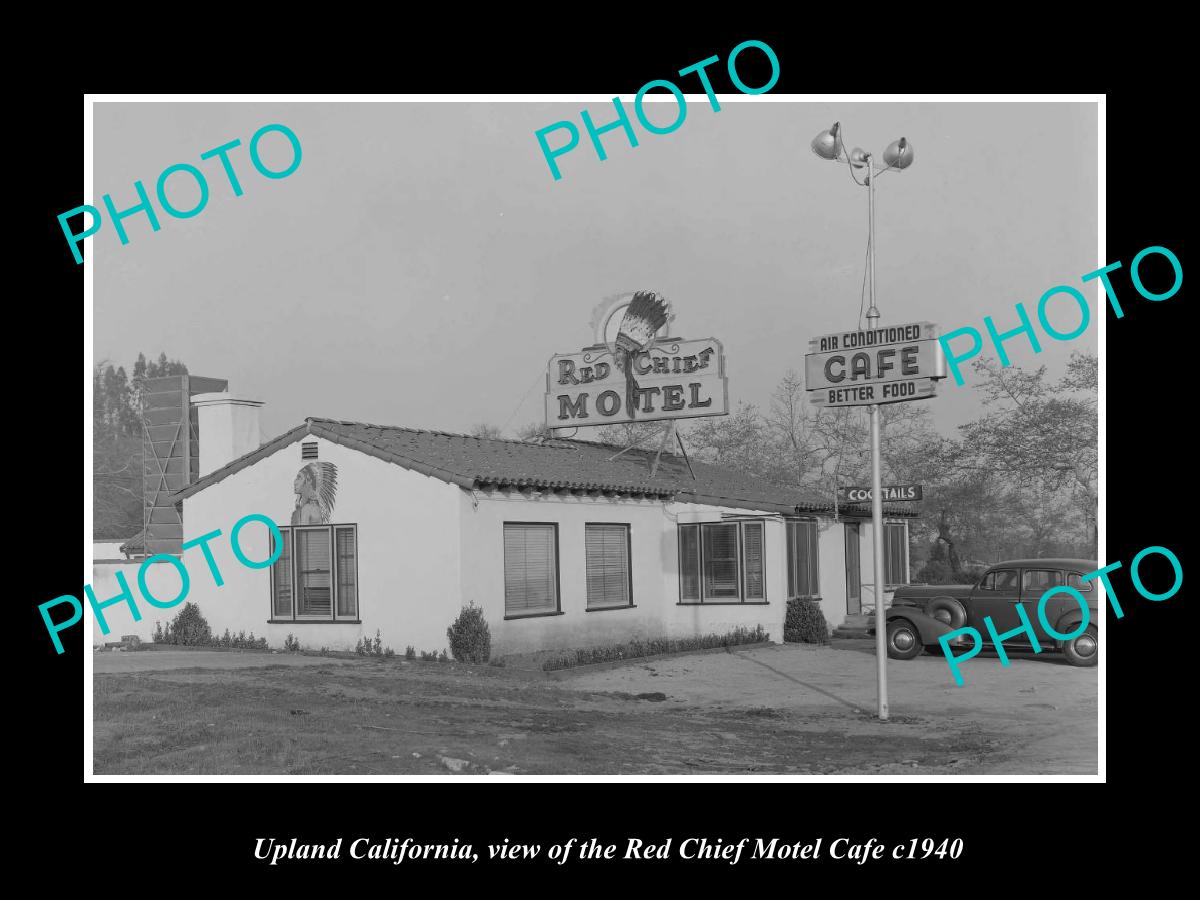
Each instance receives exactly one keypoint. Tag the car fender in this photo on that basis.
(929, 628)
(1070, 620)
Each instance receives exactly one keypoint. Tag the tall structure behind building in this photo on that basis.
(170, 455)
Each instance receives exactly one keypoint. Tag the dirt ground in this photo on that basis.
(786, 709)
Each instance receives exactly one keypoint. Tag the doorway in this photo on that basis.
(853, 570)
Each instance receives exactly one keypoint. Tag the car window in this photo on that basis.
(1000, 580)
(1075, 580)
(1038, 581)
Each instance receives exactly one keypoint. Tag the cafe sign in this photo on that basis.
(879, 365)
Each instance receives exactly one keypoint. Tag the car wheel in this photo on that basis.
(1083, 650)
(948, 611)
(903, 640)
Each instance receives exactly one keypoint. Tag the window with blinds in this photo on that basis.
(803, 572)
(315, 577)
(722, 562)
(314, 573)
(530, 568)
(606, 548)
(895, 556)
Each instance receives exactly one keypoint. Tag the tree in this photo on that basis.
(117, 494)
(1040, 438)
(534, 431)
(486, 431)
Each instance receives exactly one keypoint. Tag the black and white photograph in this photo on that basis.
(684, 435)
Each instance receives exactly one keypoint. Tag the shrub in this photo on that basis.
(805, 623)
(636, 649)
(377, 645)
(429, 657)
(159, 637)
(445, 657)
(291, 644)
(469, 636)
(189, 628)
(410, 652)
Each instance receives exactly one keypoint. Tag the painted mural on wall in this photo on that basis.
(316, 492)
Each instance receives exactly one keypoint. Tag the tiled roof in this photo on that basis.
(552, 464)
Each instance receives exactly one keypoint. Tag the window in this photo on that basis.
(895, 553)
(803, 580)
(530, 568)
(721, 562)
(607, 550)
(314, 573)
(315, 578)
(1075, 580)
(1000, 580)
(1035, 582)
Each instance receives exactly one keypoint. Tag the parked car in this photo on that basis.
(920, 614)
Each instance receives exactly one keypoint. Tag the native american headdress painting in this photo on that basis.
(316, 492)
(646, 313)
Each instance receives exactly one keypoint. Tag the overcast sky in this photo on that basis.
(421, 265)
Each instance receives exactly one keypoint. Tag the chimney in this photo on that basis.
(227, 426)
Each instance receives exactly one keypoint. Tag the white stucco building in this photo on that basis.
(561, 545)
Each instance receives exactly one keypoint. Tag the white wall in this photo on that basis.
(161, 578)
(110, 550)
(656, 611)
(831, 569)
(408, 552)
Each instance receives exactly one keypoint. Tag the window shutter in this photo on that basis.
(606, 548)
(281, 578)
(313, 571)
(346, 541)
(530, 570)
(752, 541)
(689, 562)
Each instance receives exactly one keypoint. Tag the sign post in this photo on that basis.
(870, 368)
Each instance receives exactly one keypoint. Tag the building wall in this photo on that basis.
(408, 554)
(654, 563)
(161, 578)
(107, 550)
(831, 569)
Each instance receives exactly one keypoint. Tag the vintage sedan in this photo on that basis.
(920, 614)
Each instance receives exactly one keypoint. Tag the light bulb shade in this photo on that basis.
(828, 144)
(858, 157)
(899, 154)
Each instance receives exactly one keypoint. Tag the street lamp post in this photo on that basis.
(898, 155)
